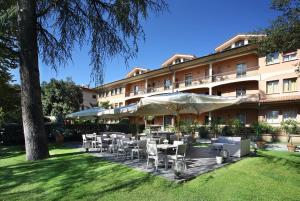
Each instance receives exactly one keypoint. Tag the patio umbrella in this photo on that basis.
(182, 103)
(116, 113)
(90, 113)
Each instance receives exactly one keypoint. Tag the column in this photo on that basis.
(146, 86)
(173, 81)
(210, 71)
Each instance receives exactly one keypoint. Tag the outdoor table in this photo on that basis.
(165, 147)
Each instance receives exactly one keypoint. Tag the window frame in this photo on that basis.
(284, 55)
(270, 58)
(272, 121)
(289, 85)
(188, 82)
(272, 81)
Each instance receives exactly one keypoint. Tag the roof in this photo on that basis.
(175, 56)
(135, 69)
(235, 39)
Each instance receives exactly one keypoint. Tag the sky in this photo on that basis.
(188, 27)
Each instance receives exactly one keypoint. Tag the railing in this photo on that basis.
(198, 81)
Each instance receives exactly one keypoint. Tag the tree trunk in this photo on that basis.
(33, 124)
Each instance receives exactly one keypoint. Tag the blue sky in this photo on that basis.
(189, 27)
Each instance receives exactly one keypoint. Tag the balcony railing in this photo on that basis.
(198, 81)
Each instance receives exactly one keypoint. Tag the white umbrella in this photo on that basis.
(183, 103)
(125, 111)
(86, 114)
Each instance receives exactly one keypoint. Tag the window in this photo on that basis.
(272, 58)
(112, 92)
(167, 120)
(116, 90)
(135, 90)
(241, 117)
(106, 93)
(167, 84)
(239, 43)
(219, 93)
(240, 92)
(272, 87)
(177, 61)
(116, 105)
(120, 90)
(241, 70)
(289, 85)
(94, 96)
(272, 117)
(120, 104)
(188, 79)
(289, 56)
(289, 114)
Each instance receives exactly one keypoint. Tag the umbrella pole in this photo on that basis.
(178, 125)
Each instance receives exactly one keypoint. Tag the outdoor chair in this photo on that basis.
(179, 155)
(177, 142)
(113, 146)
(141, 148)
(153, 154)
(85, 142)
(122, 149)
(99, 144)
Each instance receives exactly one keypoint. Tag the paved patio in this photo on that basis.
(199, 160)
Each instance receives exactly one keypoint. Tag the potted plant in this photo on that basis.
(258, 128)
(290, 127)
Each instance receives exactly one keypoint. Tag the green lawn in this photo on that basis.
(71, 175)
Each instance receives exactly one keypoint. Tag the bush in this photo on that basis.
(203, 131)
(289, 127)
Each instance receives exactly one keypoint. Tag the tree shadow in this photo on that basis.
(65, 172)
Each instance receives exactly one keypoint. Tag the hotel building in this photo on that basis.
(269, 85)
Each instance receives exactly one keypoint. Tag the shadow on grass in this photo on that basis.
(64, 173)
(292, 160)
(11, 151)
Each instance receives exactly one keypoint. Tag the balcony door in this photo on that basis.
(241, 70)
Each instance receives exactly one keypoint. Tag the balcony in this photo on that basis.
(198, 82)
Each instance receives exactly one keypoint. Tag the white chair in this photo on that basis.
(176, 142)
(122, 149)
(84, 142)
(100, 144)
(152, 154)
(180, 155)
(113, 146)
(140, 148)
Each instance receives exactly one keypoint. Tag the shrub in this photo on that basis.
(203, 131)
(289, 127)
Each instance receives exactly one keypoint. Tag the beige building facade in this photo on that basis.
(269, 85)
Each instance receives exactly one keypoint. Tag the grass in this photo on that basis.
(71, 175)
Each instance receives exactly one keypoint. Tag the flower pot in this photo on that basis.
(59, 139)
(219, 160)
(291, 147)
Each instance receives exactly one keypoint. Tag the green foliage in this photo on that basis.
(105, 104)
(203, 132)
(261, 127)
(60, 97)
(110, 28)
(284, 32)
(2, 114)
(289, 126)
(215, 126)
(235, 126)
